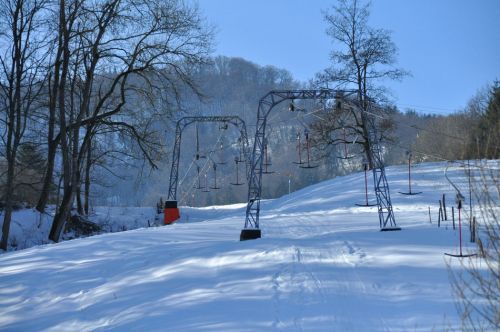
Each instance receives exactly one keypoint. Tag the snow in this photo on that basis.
(321, 265)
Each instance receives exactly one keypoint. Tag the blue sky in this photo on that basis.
(451, 47)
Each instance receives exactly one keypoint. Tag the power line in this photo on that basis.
(415, 126)
(439, 157)
(426, 108)
(420, 128)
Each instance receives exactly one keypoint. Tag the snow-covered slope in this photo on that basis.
(322, 265)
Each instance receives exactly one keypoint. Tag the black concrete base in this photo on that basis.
(249, 234)
(388, 229)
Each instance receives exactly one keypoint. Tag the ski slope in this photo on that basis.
(321, 265)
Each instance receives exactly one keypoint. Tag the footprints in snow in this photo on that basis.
(294, 287)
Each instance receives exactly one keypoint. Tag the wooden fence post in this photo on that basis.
(473, 230)
(441, 210)
(453, 216)
(444, 207)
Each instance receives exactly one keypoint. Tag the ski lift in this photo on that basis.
(266, 160)
(198, 156)
(205, 188)
(299, 150)
(223, 125)
(214, 167)
(308, 148)
(409, 193)
(346, 154)
(365, 166)
(241, 157)
(292, 107)
(199, 178)
(237, 183)
(221, 154)
(339, 96)
(458, 200)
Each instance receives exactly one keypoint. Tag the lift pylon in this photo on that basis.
(251, 229)
(387, 221)
(171, 210)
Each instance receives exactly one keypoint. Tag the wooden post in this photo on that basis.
(460, 226)
(473, 230)
(444, 207)
(430, 220)
(453, 216)
(440, 212)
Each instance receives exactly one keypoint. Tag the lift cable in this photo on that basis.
(420, 128)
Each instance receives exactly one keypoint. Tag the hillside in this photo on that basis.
(322, 264)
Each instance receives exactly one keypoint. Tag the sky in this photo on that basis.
(450, 47)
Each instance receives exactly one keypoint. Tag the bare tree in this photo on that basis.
(363, 57)
(20, 83)
(486, 140)
(103, 51)
(476, 282)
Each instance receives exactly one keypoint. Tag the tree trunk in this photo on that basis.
(78, 194)
(8, 207)
(87, 178)
(368, 153)
(62, 215)
(47, 179)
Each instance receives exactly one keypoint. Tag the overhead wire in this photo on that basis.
(414, 126)
(421, 129)
(427, 109)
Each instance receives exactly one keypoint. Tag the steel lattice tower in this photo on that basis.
(381, 186)
(186, 121)
(251, 229)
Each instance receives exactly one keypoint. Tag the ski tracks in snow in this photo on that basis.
(330, 294)
(356, 257)
(295, 287)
